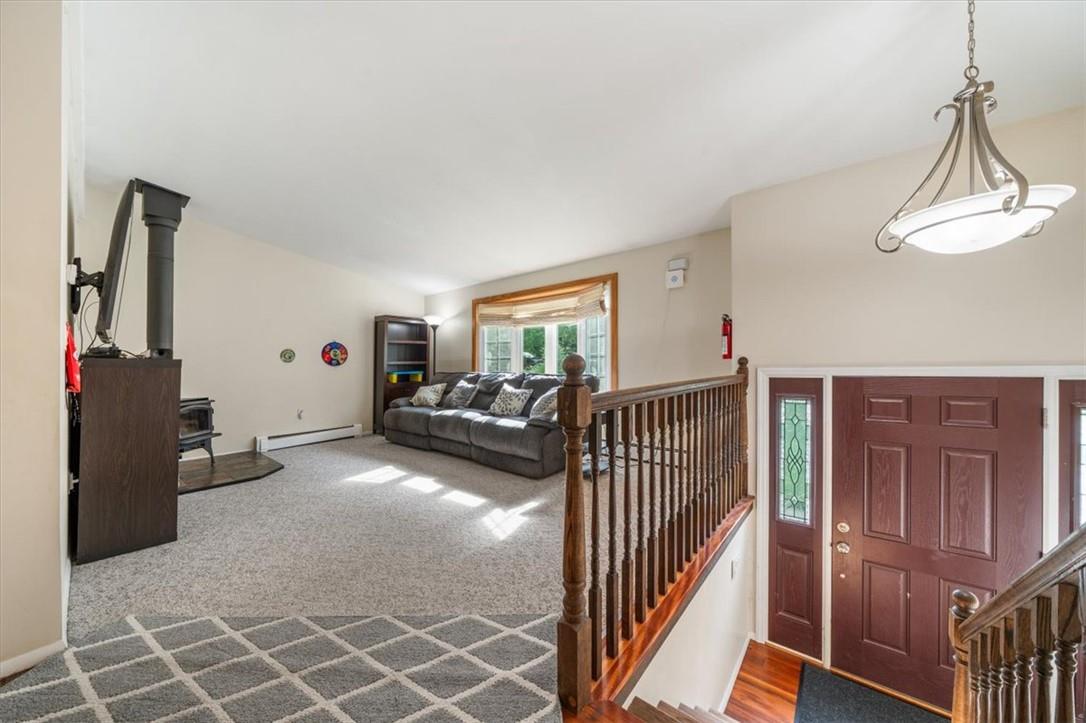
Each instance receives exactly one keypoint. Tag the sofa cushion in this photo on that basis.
(460, 396)
(546, 406)
(451, 379)
(510, 402)
(453, 424)
(429, 396)
(490, 385)
(414, 420)
(540, 384)
(508, 435)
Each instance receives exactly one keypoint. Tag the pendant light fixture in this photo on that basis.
(1005, 209)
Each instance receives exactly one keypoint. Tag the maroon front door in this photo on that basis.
(795, 524)
(937, 485)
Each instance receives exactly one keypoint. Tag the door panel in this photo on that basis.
(795, 575)
(939, 483)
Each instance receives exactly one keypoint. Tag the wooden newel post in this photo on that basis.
(574, 637)
(744, 456)
(965, 604)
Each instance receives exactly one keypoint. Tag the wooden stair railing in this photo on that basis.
(674, 462)
(1024, 639)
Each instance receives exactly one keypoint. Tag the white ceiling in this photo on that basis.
(440, 144)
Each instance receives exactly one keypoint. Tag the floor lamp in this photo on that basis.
(434, 321)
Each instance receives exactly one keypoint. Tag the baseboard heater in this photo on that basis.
(296, 439)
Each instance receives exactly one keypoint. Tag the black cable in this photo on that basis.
(84, 344)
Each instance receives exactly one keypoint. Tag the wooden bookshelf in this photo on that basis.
(402, 344)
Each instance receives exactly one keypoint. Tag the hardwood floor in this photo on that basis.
(765, 690)
(198, 474)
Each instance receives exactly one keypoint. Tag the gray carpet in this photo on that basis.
(352, 525)
(498, 668)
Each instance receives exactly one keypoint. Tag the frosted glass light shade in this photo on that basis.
(433, 320)
(977, 222)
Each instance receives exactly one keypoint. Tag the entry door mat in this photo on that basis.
(828, 698)
(495, 668)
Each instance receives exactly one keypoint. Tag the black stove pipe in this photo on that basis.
(162, 215)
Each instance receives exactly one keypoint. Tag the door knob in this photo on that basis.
(843, 547)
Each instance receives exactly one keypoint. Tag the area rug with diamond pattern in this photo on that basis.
(495, 668)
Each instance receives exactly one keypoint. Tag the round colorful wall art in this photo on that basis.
(334, 354)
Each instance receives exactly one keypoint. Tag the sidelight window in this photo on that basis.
(1079, 444)
(794, 473)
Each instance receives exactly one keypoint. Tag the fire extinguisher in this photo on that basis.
(725, 337)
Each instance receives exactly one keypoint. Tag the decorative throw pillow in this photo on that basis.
(460, 396)
(510, 402)
(546, 407)
(428, 396)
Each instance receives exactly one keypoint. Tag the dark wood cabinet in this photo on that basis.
(403, 361)
(126, 497)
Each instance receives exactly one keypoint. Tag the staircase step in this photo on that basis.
(717, 716)
(648, 713)
(697, 714)
(676, 713)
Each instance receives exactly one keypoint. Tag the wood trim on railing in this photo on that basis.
(1051, 569)
(635, 654)
(702, 425)
(602, 401)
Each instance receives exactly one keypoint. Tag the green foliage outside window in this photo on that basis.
(534, 349)
(567, 343)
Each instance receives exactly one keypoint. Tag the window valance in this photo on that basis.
(568, 306)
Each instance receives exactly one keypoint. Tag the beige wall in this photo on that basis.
(810, 288)
(33, 199)
(687, 670)
(663, 334)
(237, 303)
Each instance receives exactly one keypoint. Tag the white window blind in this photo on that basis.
(571, 307)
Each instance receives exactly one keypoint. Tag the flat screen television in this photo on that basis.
(111, 274)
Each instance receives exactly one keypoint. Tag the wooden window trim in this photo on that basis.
(543, 292)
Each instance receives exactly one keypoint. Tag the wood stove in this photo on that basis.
(197, 426)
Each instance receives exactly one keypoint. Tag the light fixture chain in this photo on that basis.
(971, 70)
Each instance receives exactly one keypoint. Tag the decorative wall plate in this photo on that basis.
(334, 354)
(286, 356)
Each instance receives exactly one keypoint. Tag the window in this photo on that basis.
(542, 349)
(534, 330)
(794, 460)
(533, 349)
(1079, 442)
(498, 342)
(595, 348)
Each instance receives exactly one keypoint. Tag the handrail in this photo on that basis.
(602, 401)
(666, 465)
(1031, 629)
(1053, 568)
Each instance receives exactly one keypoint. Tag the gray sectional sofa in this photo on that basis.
(524, 446)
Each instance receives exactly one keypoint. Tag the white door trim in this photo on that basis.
(1050, 373)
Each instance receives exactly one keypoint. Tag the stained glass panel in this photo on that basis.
(1080, 483)
(794, 460)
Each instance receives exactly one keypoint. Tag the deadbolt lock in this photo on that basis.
(843, 547)
(843, 527)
